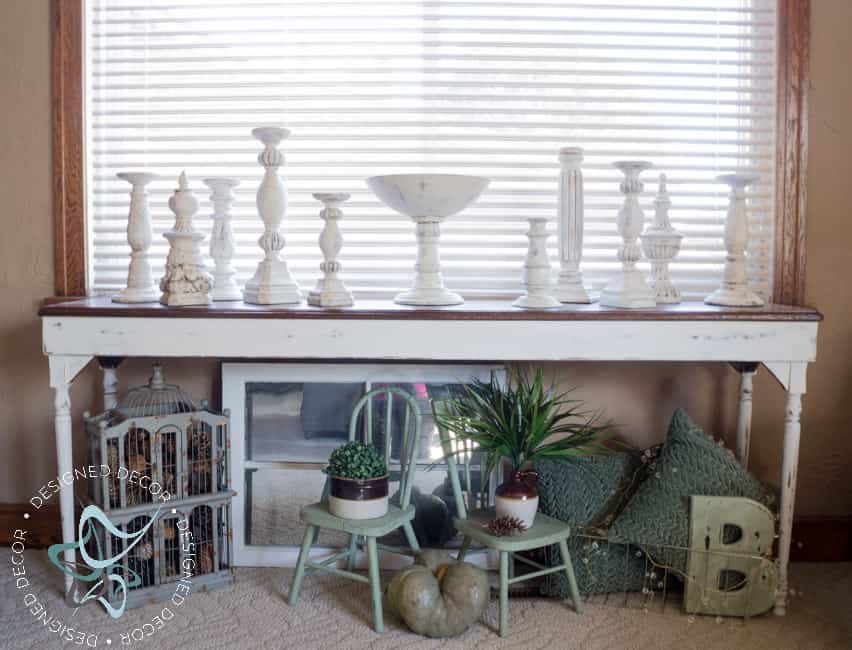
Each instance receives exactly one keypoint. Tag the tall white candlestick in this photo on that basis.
(225, 286)
(140, 281)
(330, 290)
(735, 291)
(569, 286)
(272, 283)
(628, 288)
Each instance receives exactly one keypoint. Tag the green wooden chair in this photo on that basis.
(472, 521)
(317, 516)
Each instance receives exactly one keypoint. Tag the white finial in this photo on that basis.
(183, 184)
(662, 186)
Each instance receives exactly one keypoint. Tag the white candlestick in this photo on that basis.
(140, 282)
(272, 283)
(569, 286)
(628, 288)
(225, 286)
(735, 291)
(661, 244)
(186, 281)
(330, 290)
(537, 271)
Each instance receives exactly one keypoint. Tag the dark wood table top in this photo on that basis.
(487, 310)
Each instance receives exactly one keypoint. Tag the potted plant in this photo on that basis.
(520, 421)
(358, 479)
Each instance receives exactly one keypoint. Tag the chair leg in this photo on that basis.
(353, 551)
(572, 580)
(375, 585)
(504, 593)
(304, 553)
(464, 548)
(411, 537)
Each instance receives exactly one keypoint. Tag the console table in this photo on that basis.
(781, 338)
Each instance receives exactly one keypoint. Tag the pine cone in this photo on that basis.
(506, 526)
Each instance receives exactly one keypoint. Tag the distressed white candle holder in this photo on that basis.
(628, 289)
(735, 291)
(225, 287)
(569, 285)
(428, 199)
(330, 291)
(661, 244)
(186, 281)
(537, 271)
(140, 281)
(272, 283)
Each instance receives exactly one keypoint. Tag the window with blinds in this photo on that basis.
(488, 87)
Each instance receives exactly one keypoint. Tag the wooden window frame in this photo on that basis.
(69, 172)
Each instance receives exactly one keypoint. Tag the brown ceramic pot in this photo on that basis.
(517, 497)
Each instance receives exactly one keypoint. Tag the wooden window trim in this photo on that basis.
(69, 177)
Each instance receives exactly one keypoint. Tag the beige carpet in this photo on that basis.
(335, 613)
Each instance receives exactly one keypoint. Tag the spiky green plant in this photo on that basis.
(521, 420)
(356, 460)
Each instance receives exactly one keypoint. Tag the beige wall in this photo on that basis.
(639, 397)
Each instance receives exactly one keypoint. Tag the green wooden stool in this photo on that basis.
(472, 524)
(317, 516)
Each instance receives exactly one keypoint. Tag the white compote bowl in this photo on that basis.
(428, 199)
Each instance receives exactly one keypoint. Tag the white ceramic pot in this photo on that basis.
(523, 509)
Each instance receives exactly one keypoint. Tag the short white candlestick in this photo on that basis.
(140, 282)
(537, 271)
(272, 283)
(225, 287)
(569, 286)
(735, 291)
(628, 288)
(186, 281)
(661, 243)
(330, 290)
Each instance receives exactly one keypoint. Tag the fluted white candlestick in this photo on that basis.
(225, 287)
(735, 291)
(628, 288)
(272, 283)
(140, 281)
(569, 286)
(330, 290)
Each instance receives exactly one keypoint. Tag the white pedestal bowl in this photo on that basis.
(428, 199)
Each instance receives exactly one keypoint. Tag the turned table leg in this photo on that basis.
(63, 370)
(747, 372)
(109, 366)
(792, 432)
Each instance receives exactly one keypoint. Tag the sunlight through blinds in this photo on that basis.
(489, 87)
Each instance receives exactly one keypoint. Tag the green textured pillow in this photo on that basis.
(588, 492)
(689, 463)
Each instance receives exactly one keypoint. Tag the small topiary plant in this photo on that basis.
(356, 460)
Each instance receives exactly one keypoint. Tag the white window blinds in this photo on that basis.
(490, 87)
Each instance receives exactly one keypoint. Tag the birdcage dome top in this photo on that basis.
(157, 398)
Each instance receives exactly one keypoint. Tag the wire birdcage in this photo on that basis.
(173, 445)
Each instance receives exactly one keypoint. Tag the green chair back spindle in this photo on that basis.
(410, 435)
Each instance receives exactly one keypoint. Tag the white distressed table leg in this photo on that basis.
(792, 434)
(747, 372)
(63, 370)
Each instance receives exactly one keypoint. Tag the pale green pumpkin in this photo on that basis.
(437, 596)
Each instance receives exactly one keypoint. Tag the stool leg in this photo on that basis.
(504, 593)
(353, 550)
(411, 537)
(464, 548)
(305, 551)
(375, 585)
(569, 571)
